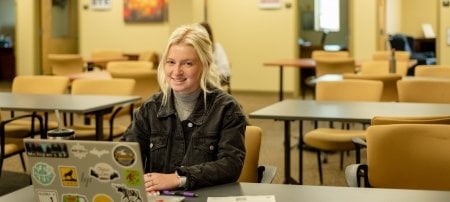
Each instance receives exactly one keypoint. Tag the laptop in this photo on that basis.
(87, 171)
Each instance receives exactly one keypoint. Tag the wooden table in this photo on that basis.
(83, 104)
(289, 193)
(90, 75)
(302, 63)
(361, 112)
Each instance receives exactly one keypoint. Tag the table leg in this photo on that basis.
(99, 125)
(287, 152)
(300, 153)
(280, 96)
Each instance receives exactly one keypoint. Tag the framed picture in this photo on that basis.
(145, 10)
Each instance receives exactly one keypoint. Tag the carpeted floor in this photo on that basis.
(271, 150)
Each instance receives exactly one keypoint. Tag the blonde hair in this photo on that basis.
(193, 35)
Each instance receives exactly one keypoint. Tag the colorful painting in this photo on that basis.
(145, 10)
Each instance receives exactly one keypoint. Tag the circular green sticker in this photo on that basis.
(124, 155)
(43, 173)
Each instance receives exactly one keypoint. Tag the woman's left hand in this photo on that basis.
(155, 182)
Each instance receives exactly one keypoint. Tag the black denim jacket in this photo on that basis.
(208, 148)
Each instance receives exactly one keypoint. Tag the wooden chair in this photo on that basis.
(100, 58)
(11, 141)
(150, 56)
(385, 55)
(331, 139)
(66, 64)
(142, 72)
(440, 71)
(389, 84)
(38, 84)
(382, 67)
(424, 90)
(405, 156)
(252, 171)
(102, 87)
(328, 54)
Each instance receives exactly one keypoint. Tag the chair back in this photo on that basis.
(103, 86)
(334, 66)
(349, 90)
(106, 54)
(382, 67)
(389, 83)
(386, 120)
(424, 90)
(65, 64)
(329, 54)
(150, 56)
(432, 71)
(40, 84)
(249, 172)
(411, 156)
(141, 71)
(385, 55)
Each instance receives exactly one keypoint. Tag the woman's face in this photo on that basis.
(183, 69)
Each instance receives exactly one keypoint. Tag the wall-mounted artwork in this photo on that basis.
(144, 10)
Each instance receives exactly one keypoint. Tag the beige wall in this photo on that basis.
(27, 43)
(443, 48)
(362, 34)
(415, 13)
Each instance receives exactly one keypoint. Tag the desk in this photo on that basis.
(289, 193)
(83, 104)
(361, 112)
(90, 75)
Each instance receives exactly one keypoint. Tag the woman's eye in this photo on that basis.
(170, 62)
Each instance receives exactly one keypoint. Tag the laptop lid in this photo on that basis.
(82, 171)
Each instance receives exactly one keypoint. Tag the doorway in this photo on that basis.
(59, 28)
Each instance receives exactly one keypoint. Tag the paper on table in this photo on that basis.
(259, 198)
(428, 31)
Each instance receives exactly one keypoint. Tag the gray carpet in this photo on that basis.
(271, 150)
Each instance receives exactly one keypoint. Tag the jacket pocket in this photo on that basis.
(205, 148)
(157, 147)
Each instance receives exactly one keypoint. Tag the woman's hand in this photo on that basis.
(154, 182)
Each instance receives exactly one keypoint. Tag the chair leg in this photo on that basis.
(23, 162)
(341, 163)
(319, 163)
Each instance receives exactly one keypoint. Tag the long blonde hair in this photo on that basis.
(195, 36)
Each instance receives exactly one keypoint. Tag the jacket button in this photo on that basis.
(151, 145)
(190, 125)
(211, 147)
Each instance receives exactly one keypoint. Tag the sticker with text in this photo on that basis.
(68, 176)
(46, 149)
(103, 172)
(43, 173)
(99, 153)
(47, 195)
(79, 150)
(124, 155)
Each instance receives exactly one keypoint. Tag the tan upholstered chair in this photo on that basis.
(102, 87)
(142, 72)
(331, 139)
(38, 84)
(150, 56)
(385, 55)
(66, 64)
(11, 141)
(382, 67)
(335, 54)
(422, 90)
(440, 71)
(102, 57)
(406, 156)
(389, 83)
(326, 65)
(252, 171)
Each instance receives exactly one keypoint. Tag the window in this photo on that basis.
(326, 15)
